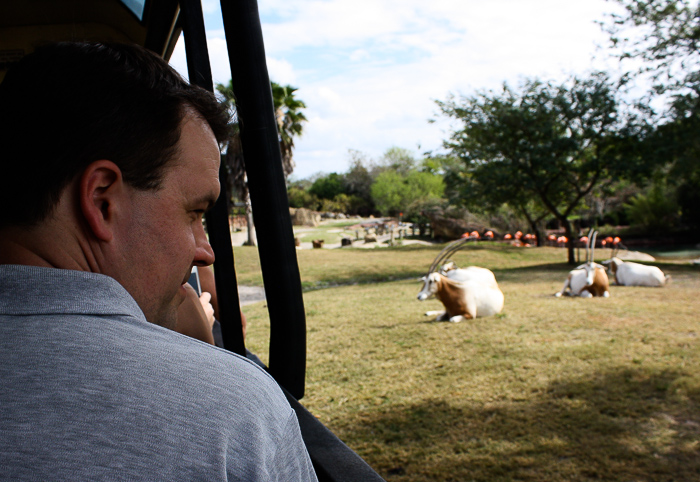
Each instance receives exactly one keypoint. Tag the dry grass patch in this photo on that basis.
(551, 389)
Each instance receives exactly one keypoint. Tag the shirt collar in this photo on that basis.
(32, 290)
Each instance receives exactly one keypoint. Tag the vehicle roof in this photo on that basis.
(26, 24)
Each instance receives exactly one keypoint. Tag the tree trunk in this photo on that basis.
(535, 229)
(249, 221)
(568, 232)
(534, 224)
(538, 235)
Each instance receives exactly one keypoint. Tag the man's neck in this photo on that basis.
(34, 246)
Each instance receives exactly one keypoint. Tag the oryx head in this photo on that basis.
(430, 286)
(431, 279)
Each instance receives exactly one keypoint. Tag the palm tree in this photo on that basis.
(290, 121)
(232, 158)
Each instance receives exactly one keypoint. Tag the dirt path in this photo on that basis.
(250, 294)
(240, 237)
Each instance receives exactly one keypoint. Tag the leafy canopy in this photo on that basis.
(665, 36)
(327, 187)
(393, 192)
(543, 143)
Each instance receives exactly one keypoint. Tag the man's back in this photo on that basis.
(93, 391)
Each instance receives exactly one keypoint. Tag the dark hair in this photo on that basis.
(69, 104)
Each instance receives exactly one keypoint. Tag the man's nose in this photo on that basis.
(204, 256)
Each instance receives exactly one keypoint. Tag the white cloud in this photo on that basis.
(369, 70)
(210, 6)
(281, 71)
(359, 55)
(428, 50)
(218, 59)
(218, 56)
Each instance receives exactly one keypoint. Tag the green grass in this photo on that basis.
(324, 267)
(558, 389)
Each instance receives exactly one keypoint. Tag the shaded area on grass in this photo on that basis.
(625, 424)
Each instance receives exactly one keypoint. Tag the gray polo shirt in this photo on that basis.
(92, 391)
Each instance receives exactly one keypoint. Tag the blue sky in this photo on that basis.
(370, 70)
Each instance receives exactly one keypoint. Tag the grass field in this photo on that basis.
(552, 389)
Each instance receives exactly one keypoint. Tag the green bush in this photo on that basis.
(301, 198)
(393, 193)
(655, 210)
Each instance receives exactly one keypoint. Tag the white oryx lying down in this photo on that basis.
(463, 298)
(589, 279)
(586, 281)
(466, 293)
(628, 273)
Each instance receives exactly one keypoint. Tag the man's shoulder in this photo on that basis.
(217, 367)
(34, 290)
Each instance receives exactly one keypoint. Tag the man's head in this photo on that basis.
(69, 104)
(110, 159)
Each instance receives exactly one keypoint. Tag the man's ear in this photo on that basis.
(101, 188)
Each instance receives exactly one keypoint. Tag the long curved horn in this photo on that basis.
(595, 234)
(588, 245)
(447, 251)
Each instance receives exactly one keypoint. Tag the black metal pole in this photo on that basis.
(217, 218)
(268, 193)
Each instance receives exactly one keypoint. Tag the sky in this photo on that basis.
(370, 71)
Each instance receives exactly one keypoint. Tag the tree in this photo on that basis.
(655, 210)
(489, 192)
(327, 187)
(299, 196)
(548, 144)
(675, 145)
(393, 193)
(665, 35)
(397, 159)
(232, 158)
(357, 183)
(388, 192)
(290, 124)
(290, 121)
